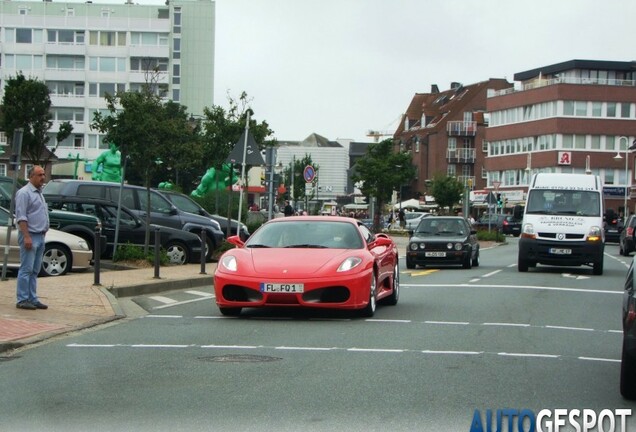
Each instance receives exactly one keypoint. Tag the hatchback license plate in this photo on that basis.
(286, 288)
(558, 251)
(435, 254)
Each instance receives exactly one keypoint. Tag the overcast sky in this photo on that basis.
(341, 67)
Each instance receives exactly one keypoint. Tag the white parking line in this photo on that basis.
(351, 349)
(447, 322)
(491, 273)
(529, 287)
(528, 355)
(569, 328)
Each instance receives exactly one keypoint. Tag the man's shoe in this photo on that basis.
(40, 305)
(26, 305)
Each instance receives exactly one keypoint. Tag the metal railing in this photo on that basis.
(537, 83)
(461, 128)
(461, 155)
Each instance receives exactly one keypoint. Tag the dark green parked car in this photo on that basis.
(81, 225)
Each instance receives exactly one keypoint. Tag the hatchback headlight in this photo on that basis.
(416, 246)
(459, 246)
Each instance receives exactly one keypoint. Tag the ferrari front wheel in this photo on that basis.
(369, 309)
(395, 295)
(230, 311)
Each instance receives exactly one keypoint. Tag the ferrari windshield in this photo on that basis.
(564, 202)
(307, 234)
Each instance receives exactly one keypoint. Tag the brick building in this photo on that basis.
(444, 131)
(572, 117)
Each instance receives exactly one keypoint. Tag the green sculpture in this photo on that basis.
(227, 176)
(110, 164)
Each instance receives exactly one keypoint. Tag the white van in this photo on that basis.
(563, 222)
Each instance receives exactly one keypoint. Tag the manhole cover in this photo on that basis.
(239, 358)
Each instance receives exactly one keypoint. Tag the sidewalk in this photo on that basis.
(76, 303)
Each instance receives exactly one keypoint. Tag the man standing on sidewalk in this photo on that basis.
(32, 217)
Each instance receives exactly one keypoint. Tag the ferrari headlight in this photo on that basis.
(229, 262)
(349, 263)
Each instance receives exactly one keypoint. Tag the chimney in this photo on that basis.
(455, 85)
(434, 89)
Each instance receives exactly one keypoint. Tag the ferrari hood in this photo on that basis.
(294, 261)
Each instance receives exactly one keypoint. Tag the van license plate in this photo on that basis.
(558, 251)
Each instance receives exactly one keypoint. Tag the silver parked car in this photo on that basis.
(63, 252)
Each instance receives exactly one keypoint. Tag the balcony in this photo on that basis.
(461, 155)
(461, 128)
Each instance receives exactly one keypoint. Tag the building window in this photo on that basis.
(611, 109)
(451, 170)
(105, 13)
(595, 142)
(597, 109)
(23, 11)
(579, 142)
(3, 169)
(625, 109)
(609, 143)
(70, 12)
(176, 95)
(23, 35)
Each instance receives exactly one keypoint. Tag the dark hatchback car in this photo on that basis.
(182, 247)
(443, 240)
(505, 223)
(628, 357)
(626, 243)
(613, 226)
(187, 204)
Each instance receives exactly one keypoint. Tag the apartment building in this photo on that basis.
(573, 117)
(444, 131)
(84, 50)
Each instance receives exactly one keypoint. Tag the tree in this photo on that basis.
(222, 128)
(26, 104)
(146, 131)
(381, 171)
(446, 190)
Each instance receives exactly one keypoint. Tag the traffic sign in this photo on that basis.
(496, 185)
(309, 173)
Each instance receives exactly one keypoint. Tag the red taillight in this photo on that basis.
(505, 222)
(630, 231)
(631, 314)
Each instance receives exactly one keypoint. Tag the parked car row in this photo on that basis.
(139, 200)
(505, 223)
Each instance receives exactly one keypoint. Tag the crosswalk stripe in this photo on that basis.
(199, 293)
(162, 299)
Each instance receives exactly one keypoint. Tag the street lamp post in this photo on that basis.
(618, 156)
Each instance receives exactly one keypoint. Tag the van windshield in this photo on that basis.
(564, 202)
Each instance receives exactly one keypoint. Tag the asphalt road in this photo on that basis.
(458, 341)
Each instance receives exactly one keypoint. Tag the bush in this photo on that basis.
(129, 252)
(492, 235)
(225, 246)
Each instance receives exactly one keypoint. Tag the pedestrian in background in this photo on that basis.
(288, 210)
(32, 218)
